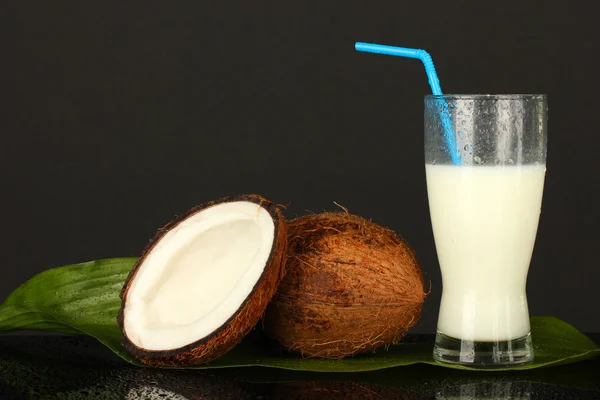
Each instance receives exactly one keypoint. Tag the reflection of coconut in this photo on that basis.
(149, 392)
(351, 286)
(334, 390)
(182, 385)
(203, 282)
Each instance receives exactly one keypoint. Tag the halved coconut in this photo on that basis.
(203, 282)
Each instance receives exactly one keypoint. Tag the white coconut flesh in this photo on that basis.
(198, 275)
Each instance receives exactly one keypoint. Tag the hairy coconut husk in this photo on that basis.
(351, 286)
(242, 321)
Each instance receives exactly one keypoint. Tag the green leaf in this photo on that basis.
(84, 298)
(80, 298)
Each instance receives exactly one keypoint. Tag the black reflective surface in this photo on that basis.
(70, 367)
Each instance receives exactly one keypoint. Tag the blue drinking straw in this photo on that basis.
(434, 83)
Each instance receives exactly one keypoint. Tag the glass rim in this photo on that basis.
(482, 96)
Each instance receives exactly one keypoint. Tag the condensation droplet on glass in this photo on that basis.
(461, 134)
(468, 147)
(477, 160)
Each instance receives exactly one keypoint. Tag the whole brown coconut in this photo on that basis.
(350, 287)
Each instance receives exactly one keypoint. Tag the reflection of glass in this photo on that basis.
(487, 390)
(484, 214)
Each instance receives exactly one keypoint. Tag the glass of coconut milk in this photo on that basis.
(484, 212)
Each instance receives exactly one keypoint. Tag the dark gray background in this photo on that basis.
(116, 117)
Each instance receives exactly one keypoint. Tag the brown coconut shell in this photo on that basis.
(242, 321)
(351, 286)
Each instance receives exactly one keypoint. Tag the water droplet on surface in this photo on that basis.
(477, 160)
(461, 134)
(468, 147)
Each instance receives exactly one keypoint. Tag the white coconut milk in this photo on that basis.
(484, 222)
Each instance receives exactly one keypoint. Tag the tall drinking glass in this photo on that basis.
(484, 213)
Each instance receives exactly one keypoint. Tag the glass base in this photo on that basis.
(485, 355)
